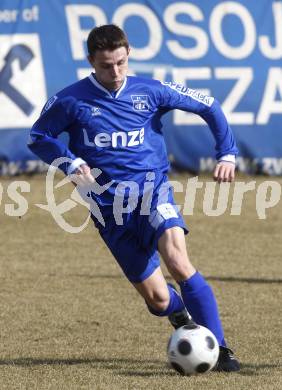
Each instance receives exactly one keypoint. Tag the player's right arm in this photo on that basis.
(53, 121)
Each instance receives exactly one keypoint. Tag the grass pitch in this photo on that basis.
(70, 320)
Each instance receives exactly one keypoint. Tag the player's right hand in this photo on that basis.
(82, 176)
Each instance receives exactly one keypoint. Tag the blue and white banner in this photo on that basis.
(229, 49)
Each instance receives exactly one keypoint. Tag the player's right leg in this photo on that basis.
(163, 299)
(141, 265)
(155, 291)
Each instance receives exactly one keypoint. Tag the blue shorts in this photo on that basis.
(134, 243)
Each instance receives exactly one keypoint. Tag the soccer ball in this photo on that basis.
(192, 349)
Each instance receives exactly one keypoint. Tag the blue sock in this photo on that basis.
(200, 301)
(175, 304)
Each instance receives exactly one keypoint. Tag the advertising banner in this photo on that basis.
(228, 49)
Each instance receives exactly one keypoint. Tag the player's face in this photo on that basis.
(110, 67)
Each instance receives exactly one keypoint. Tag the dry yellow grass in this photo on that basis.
(70, 320)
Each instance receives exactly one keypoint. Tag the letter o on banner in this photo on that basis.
(155, 31)
(248, 44)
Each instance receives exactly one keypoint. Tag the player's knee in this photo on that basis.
(158, 303)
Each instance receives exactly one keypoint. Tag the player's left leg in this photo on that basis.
(165, 228)
(197, 295)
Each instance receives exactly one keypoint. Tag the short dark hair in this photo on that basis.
(106, 37)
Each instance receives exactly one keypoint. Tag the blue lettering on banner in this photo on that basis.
(23, 55)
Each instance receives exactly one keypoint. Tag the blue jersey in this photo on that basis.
(121, 133)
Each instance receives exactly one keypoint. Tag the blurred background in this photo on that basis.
(229, 49)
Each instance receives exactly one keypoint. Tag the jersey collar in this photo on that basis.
(99, 86)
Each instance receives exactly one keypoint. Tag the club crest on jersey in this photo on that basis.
(96, 111)
(140, 102)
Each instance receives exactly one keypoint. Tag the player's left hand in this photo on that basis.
(224, 172)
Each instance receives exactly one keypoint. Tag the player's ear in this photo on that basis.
(90, 60)
(128, 50)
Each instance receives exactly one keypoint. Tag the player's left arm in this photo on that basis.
(210, 110)
(225, 143)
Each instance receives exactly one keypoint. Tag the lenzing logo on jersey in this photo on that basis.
(116, 139)
(140, 102)
(193, 93)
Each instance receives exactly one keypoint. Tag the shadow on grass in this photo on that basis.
(152, 373)
(104, 363)
(249, 369)
(246, 370)
(119, 366)
(212, 278)
(244, 280)
(127, 367)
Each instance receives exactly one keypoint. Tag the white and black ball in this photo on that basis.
(192, 350)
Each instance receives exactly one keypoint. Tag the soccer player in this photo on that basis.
(114, 125)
